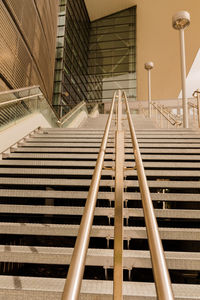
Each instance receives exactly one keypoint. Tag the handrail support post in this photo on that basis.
(119, 200)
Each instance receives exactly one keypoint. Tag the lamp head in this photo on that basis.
(149, 65)
(181, 20)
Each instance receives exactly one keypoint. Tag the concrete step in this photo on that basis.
(55, 181)
(90, 164)
(164, 184)
(49, 163)
(52, 194)
(92, 156)
(96, 150)
(99, 211)
(84, 129)
(37, 288)
(88, 172)
(101, 195)
(90, 139)
(109, 145)
(105, 183)
(56, 156)
(96, 257)
(62, 150)
(49, 171)
(66, 140)
(184, 234)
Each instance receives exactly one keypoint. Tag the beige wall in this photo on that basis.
(157, 41)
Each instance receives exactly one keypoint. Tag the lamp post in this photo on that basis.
(148, 66)
(180, 21)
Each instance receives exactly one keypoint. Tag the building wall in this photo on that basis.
(71, 69)
(93, 59)
(27, 44)
(159, 42)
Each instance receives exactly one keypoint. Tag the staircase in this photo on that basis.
(44, 184)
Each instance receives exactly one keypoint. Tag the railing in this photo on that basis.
(119, 201)
(161, 274)
(77, 265)
(196, 110)
(165, 116)
(72, 114)
(19, 103)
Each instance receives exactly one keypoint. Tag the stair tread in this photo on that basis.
(99, 211)
(37, 286)
(161, 157)
(91, 150)
(97, 231)
(96, 257)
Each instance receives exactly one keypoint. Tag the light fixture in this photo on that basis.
(149, 66)
(180, 21)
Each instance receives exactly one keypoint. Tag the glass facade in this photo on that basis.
(93, 58)
(71, 68)
(112, 56)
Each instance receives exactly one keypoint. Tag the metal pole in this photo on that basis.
(75, 274)
(149, 93)
(167, 120)
(198, 107)
(119, 197)
(161, 117)
(161, 274)
(156, 116)
(183, 77)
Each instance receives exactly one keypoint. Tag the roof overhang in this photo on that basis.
(98, 9)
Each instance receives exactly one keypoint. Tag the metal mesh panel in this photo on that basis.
(27, 41)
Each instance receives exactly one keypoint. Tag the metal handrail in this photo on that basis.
(59, 121)
(20, 99)
(66, 117)
(192, 104)
(161, 274)
(19, 90)
(77, 265)
(40, 94)
(172, 120)
(197, 106)
(119, 202)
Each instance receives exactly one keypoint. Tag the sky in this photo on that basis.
(193, 78)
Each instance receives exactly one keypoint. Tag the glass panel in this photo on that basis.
(61, 31)
(60, 41)
(75, 57)
(31, 100)
(112, 55)
(61, 20)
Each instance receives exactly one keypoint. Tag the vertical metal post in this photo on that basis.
(193, 112)
(119, 198)
(161, 117)
(156, 111)
(75, 274)
(167, 120)
(149, 93)
(198, 107)
(183, 77)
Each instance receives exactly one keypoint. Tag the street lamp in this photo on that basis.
(148, 66)
(179, 21)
